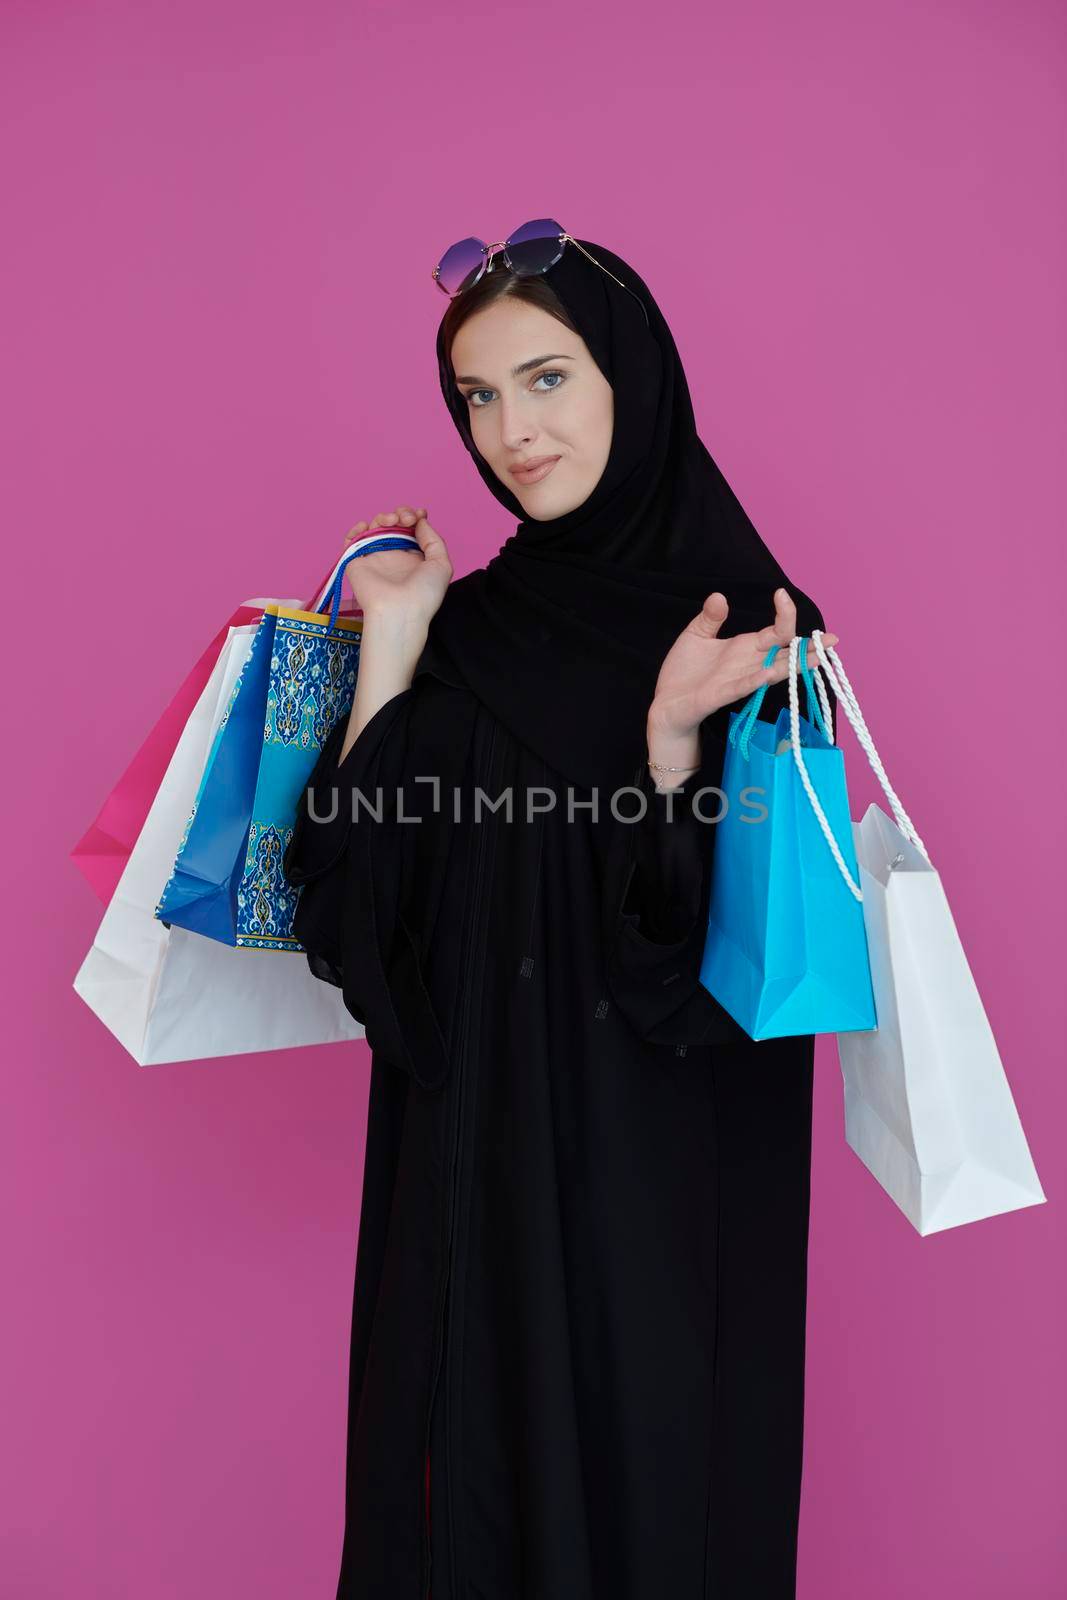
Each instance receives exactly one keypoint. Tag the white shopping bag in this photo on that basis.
(928, 1108)
(171, 995)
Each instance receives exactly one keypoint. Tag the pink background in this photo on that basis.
(218, 328)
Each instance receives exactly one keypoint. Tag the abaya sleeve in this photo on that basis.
(658, 893)
(351, 869)
(659, 889)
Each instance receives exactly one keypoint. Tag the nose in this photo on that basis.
(517, 425)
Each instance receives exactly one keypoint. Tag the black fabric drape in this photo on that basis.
(367, 888)
(579, 1299)
(357, 924)
(562, 633)
(580, 1275)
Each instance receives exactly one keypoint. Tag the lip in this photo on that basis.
(536, 470)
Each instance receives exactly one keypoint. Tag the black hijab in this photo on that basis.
(562, 634)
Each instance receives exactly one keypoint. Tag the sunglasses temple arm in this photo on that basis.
(593, 259)
(610, 274)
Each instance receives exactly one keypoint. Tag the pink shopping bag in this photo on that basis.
(104, 848)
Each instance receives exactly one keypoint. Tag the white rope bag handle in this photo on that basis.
(794, 731)
(847, 698)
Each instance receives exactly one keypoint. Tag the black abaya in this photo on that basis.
(581, 1265)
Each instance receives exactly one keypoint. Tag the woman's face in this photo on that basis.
(533, 390)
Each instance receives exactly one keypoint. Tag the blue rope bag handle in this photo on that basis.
(746, 717)
(368, 547)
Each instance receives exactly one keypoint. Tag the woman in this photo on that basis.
(578, 1328)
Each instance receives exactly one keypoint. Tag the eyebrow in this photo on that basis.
(517, 372)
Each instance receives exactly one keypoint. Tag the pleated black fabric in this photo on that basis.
(577, 1359)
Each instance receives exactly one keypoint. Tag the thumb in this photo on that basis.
(713, 614)
(430, 541)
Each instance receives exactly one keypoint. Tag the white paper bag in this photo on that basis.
(172, 995)
(928, 1108)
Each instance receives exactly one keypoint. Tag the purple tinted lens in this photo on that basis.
(534, 247)
(461, 265)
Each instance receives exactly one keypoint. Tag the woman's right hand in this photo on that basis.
(401, 583)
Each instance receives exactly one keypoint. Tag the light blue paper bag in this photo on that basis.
(786, 950)
(298, 681)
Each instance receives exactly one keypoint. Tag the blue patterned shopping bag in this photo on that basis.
(298, 681)
(786, 949)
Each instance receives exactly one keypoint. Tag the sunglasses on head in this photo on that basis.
(533, 248)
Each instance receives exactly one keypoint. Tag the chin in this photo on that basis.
(554, 505)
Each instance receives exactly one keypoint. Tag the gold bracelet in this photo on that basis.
(657, 766)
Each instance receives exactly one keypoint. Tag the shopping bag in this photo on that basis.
(170, 995)
(928, 1108)
(104, 848)
(227, 882)
(786, 947)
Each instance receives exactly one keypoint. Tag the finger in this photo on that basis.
(765, 639)
(782, 629)
(780, 666)
(812, 655)
(430, 541)
(712, 615)
(356, 532)
(749, 682)
(427, 534)
(785, 616)
(772, 634)
(747, 679)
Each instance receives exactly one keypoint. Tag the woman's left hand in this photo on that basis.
(701, 672)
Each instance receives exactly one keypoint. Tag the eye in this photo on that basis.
(551, 372)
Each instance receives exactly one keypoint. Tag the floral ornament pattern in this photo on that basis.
(312, 685)
(304, 689)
